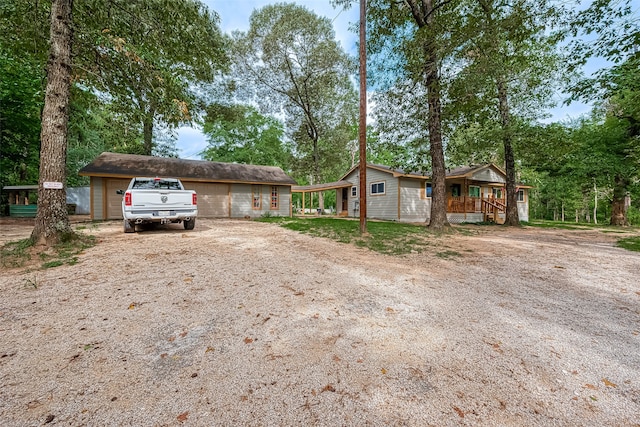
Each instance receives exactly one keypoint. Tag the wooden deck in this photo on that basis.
(491, 207)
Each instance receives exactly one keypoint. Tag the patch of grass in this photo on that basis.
(382, 236)
(17, 254)
(557, 224)
(630, 243)
(51, 264)
(448, 254)
(604, 228)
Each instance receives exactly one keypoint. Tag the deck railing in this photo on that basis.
(467, 204)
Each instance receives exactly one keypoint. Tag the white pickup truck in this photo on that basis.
(158, 200)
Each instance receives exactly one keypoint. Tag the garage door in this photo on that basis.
(213, 199)
(113, 200)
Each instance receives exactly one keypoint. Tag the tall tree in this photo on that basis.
(20, 104)
(410, 40)
(510, 62)
(148, 57)
(291, 64)
(240, 134)
(616, 30)
(52, 221)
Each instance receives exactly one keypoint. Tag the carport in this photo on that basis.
(342, 194)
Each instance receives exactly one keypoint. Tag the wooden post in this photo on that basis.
(362, 127)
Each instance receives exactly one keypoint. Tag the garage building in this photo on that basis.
(225, 190)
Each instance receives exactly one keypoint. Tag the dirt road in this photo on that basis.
(245, 323)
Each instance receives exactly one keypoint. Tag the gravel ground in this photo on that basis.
(245, 323)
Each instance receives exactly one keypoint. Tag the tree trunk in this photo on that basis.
(511, 216)
(438, 219)
(147, 132)
(618, 205)
(595, 203)
(52, 220)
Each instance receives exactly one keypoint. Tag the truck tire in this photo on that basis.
(129, 227)
(188, 225)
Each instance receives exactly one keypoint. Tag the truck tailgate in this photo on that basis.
(159, 199)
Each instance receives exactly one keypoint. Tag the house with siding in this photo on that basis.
(225, 190)
(474, 194)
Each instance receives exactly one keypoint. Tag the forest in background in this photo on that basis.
(284, 92)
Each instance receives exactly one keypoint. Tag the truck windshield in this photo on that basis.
(150, 184)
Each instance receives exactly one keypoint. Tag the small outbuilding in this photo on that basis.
(225, 190)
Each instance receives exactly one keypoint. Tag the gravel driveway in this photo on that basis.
(245, 323)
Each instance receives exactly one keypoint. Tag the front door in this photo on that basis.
(345, 199)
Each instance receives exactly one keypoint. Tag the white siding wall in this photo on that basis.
(523, 207)
(80, 197)
(414, 207)
(354, 179)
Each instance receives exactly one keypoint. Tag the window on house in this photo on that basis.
(256, 191)
(497, 193)
(274, 197)
(354, 191)
(428, 189)
(474, 191)
(456, 190)
(377, 188)
(520, 195)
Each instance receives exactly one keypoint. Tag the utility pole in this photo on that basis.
(362, 130)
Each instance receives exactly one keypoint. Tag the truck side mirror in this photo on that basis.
(120, 192)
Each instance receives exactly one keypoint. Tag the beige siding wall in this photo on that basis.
(489, 175)
(213, 198)
(97, 198)
(113, 200)
(414, 206)
(242, 201)
(379, 206)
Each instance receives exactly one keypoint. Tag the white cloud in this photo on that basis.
(190, 142)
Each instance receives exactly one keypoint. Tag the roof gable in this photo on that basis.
(484, 173)
(130, 165)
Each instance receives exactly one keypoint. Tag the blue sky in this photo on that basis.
(234, 15)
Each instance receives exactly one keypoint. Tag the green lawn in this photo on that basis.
(382, 236)
(630, 243)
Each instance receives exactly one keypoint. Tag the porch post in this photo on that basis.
(464, 198)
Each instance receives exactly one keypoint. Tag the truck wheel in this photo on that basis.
(188, 225)
(128, 227)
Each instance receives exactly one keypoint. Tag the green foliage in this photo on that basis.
(606, 29)
(148, 57)
(289, 63)
(239, 134)
(21, 99)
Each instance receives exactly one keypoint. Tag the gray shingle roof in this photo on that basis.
(130, 165)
